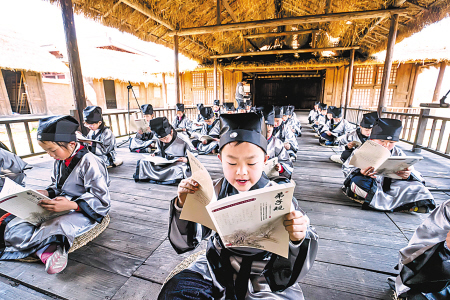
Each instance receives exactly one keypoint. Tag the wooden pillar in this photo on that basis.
(413, 85)
(437, 89)
(216, 96)
(388, 63)
(218, 12)
(74, 59)
(349, 81)
(222, 86)
(254, 89)
(177, 72)
(164, 89)
(344, 87)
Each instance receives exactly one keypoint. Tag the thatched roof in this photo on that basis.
(156, 21)
(19, 54)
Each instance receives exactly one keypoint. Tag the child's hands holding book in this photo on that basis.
(447, 240)
(296, 225)
(58, 204)
(405, 173)
(369, 172)
(186, 186)
(182, 159)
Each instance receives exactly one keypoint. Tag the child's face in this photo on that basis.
(242, 164)
(179, 114)
(167, 138)
(388, 144)
(148, 118)
(93, 126)
(336, 120)
(215, 107)
(269, 131)
(316, 107)
(285, 117)
(230, 112)
(365, 131)
(209, 121)
(277, 122)
(56, 151)
(329, 116)
(241, 110)
(249, 107)
(323, 112)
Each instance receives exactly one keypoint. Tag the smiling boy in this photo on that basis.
(239, 273)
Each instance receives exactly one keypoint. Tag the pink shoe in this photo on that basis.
(57, 261)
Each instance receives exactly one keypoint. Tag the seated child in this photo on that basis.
(238, 273)
(360, 134)
(11, 166)
(424, 263)
(242, 108)
(144, 141)
(336, 128)
(313, 113)
(229, 108)
(79, 186)
(197, 124)
(170, 145)
(248, 105)
(321, 117)
(290, 121)
(210, 127)
(181, 121)
(216, 108)
(284, 134)
(384, 193)
(275, 148)
(106, 147)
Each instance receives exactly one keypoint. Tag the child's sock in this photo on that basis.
(45, 252)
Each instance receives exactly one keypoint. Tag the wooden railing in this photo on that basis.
(431, 133)
(19, 133)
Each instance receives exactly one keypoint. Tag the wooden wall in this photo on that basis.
(5, 107)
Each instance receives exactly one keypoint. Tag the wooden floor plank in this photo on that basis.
(137, 288)
(8, 291)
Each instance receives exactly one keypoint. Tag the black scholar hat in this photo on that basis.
(317, 103)
(160, 126)
(199, 106)
(92, 114)
(207, 113)
(57, 129)
(179, 107)
(369, 119)
(229, 106)
(147, 109)
(217, 102)
(242, 105)
(278, 111)
(322, 106)
(336, 112)
(248, 127)
(269, 117)
(386, 129)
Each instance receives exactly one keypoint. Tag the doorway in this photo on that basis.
(16, 89)
(110, 94)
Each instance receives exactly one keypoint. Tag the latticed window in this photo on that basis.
(389, 97)
(364, 75)
(209, 97)
(210, 79)
(361, 97)
(198, 96)
(392, 77)
(198, 80)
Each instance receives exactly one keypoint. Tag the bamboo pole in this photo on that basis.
(216, 96)
(349, 81)
(388, 63)
(276, 34)
(177, 72)
(437, 89)
(219, 21)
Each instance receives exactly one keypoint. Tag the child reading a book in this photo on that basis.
(170, 145)
(352, 139)
(105, 148)
(335, 128)
(181, 122)
(385, 193)
(424, 263)
(313, 113)
(11, 166)
(275, 148)
(321, 117)
(211, 128)
(144, 141)
(79, 186)
(239, 273)
(284, 134)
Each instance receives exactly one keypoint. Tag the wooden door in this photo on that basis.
(35, 93)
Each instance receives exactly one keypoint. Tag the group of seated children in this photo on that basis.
(239, 273)
(331, 126)
(78, 191)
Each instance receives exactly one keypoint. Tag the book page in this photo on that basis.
(159, 160)
(396, 163)
(83, 139)
(255, 218)
(269, 168)
(194, 208)
(206, 138)
(140, 124)
(370, 154)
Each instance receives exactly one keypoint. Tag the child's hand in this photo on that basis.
(204, 142)
(351, 145)
(328, 132)
(182, 159)
(140, 132)
(296, 224)
(369, 172)
(58, 204)
(278, 167)
(287, 146)
(186, 186)
(404, 174)
(217, 140)
(447, 240)
(43, 192)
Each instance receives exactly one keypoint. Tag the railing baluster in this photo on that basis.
(110, 123)
(30, 142)
(447, 151)
(118, 124)
(433, 128)
(125, 122)
(405, 126)
(441, 135)
(11, 141)
(411, 127)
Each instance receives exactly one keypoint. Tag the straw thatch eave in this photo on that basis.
(156, 20)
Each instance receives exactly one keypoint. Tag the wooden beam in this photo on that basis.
(146, 11)
(74, 60)
(142, 24)
(218, 20)
(416, 5)
(177, 72)
(349, 82)
(388, 63)
(222, 85)
(111, 9)
(414, 84)
(344, 16)
(437, 89)
(285, 33)
(215, 80)
(369, 29)
(229, 10)
(283, 52)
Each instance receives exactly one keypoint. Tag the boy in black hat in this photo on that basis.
(242, 108)
(248, 104)
(197, 124)
(321, 117)
(239, 273)
(211, 127)
(313, 113)
(216, 108)
(143, 142)
(181, 123)
(283, 132)
(275, 147)
(290, 121)
(229, 107)
(336, 128)
(170, 145)
(384, 193)
(105, 148)
(79, 187)
(350, 141)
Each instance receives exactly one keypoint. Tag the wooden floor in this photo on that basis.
(358, 249)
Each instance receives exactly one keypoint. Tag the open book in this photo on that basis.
(269, 168)
(159, 160)
(249, 219)
(371, 154)
(140, 124)
(81, 138)
(23, 203)
(179, 129)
